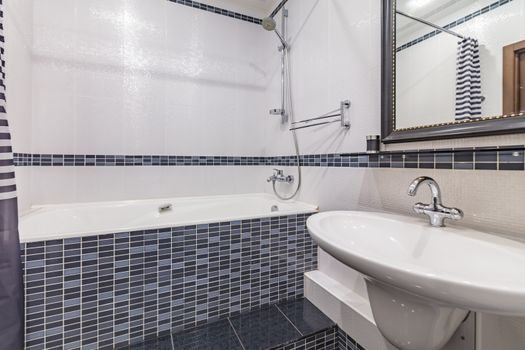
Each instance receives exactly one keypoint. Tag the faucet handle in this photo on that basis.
(454, 213)
(421, 208)
(278, 171)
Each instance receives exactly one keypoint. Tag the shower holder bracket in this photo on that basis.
(345, 113)
(340, 115)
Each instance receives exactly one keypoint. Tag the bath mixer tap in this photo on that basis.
(436, 211)
(278, 176)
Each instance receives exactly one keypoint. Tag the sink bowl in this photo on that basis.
(422, 280)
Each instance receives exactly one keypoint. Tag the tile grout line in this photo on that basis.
(172, 341)
(235, 332)
(297, 329)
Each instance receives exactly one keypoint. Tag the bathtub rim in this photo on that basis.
(304, 208)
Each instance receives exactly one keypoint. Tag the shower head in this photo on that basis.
(269, 24)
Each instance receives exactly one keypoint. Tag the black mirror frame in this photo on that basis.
(507, 124)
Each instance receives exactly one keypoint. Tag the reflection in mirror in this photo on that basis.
(458, 60)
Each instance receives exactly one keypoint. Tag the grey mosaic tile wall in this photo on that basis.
(480, 158)
(332, 339)
(217, 10)
(111, 290)
(346, 342)
(325, 340)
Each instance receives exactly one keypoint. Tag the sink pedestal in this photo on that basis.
(410, 322)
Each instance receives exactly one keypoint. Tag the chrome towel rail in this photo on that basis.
(342, 114)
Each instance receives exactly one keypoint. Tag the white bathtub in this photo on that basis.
(86, 219)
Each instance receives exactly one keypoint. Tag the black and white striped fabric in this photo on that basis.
(468, 80)
(11, 287)
(7, 171)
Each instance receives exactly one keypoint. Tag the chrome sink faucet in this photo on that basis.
(436, 211)
(278, 176)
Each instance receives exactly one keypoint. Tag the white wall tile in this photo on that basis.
(96, 184)
(18, 26)
(54, 122)
(18, 34)
(185, 181)
(53, 185)
(335, 55)
(23, 187)
(129, 77)
(98, 126)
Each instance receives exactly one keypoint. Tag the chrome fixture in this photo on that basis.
(441, 29)
(270, 25)
(165, 207)
(278, 176)
(274, 208)
(286, 111)
(343, 117)
(436, 211)
(278, 8)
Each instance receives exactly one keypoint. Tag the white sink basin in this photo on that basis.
(450, 270)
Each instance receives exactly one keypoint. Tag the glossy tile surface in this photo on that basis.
(162, 343)
(346, 342)
(260, 329)
(264, 329)
(325, 340)
(305, 316)
(216, 336)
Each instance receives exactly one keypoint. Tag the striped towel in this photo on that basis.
(468, 81)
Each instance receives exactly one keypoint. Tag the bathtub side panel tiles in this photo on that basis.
(102, 291)
(325, 340)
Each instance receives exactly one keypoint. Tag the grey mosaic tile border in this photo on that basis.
(26, 159)
(480, 158)
(326, 340)
(111, 290)
(454, 24)
(346, 342)
(217, 10)
(331, 339)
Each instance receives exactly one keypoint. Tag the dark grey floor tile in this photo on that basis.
(264, 329)
(305, 316)
(162, 343)
(214, 336)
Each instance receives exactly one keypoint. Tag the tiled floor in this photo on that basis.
(267, 328)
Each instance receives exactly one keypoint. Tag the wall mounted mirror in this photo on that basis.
(452, 68)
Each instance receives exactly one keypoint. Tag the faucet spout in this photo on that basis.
(432, 184)
(278, 176)
(436, 211)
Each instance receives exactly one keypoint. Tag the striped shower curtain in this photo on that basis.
(468, 80)
(11, 288)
